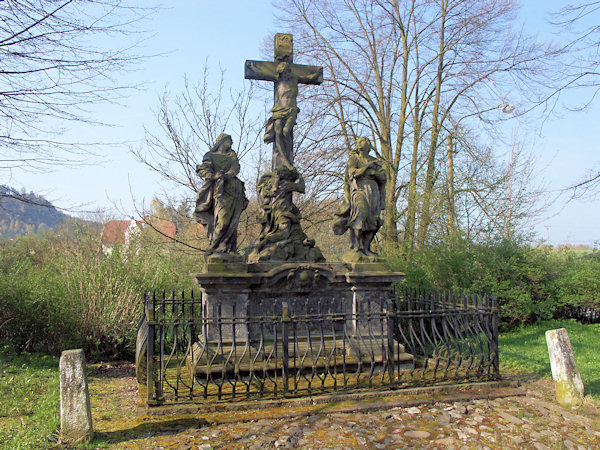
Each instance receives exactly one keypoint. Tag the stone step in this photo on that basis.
(213, 359)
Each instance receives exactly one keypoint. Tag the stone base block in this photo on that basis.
(349, 299)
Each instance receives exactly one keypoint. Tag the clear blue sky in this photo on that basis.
(227, 33)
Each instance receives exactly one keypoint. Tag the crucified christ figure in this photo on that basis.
(279, 127)
(286, 75)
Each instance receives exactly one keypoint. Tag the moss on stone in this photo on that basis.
(566, 393)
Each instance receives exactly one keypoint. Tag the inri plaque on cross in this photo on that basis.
(286, 75)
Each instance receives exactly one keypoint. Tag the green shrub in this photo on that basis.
(580, 280)
(531, 283)
(61, 291)
(32, 317)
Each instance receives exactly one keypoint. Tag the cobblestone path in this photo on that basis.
(525, 421)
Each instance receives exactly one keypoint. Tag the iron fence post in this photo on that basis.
(150, 397)
(285, 319)
(390, 340)
(496, 355)
(191, 319)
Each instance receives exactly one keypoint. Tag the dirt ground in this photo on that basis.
(526, 418)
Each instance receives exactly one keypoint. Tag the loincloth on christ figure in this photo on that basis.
(286, 113)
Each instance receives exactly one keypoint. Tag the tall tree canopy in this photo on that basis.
(56, 59)
(409, 74)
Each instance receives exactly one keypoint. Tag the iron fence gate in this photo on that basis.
(417, 339)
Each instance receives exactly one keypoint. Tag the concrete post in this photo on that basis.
(567, 381)
(75, 412)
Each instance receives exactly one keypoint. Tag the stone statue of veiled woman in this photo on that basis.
(221, 199)
(364, 188)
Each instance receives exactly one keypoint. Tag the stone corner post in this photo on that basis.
(75, 412)
(567, 381)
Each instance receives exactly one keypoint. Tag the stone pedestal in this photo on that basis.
(225, 293)
(356, 293)
(258, 290)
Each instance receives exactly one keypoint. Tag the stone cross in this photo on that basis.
(286, 75)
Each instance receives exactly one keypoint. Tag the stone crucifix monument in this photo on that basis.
(281, 237)
(285, 272)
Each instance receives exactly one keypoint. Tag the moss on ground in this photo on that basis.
(29, 404)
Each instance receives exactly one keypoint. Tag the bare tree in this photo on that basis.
(189, 123)
(588, 186)
(579, 23)
(398, 72)
(490, 193)
(582, 70)
(57, 58)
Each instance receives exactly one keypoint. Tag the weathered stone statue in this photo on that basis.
(286, 75)
(364, 199)
(221, 199)
(281, 237)
(279, 127)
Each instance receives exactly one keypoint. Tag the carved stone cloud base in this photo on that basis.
(357, 257)
(289, 250)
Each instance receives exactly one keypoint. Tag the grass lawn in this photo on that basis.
(29, 386)
(29, 400)
(525, 350)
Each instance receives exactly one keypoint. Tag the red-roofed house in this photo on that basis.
(114, 233)
(122, 231)
(165, 228)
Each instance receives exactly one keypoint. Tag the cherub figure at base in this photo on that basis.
(364, 199)
(281, 236)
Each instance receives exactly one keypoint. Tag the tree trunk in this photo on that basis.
(411, 208)
(390, 230)
(435, 130)
(450, 185)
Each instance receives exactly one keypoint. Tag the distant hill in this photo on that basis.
(23, 213)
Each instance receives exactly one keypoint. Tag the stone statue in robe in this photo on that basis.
(221, 199)
(364, 199)
(281, 237)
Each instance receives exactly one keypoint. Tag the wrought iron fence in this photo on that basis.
(583, 313)
(417, 338)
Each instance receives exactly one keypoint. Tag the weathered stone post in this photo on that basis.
(567, 381)
(75, 413)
